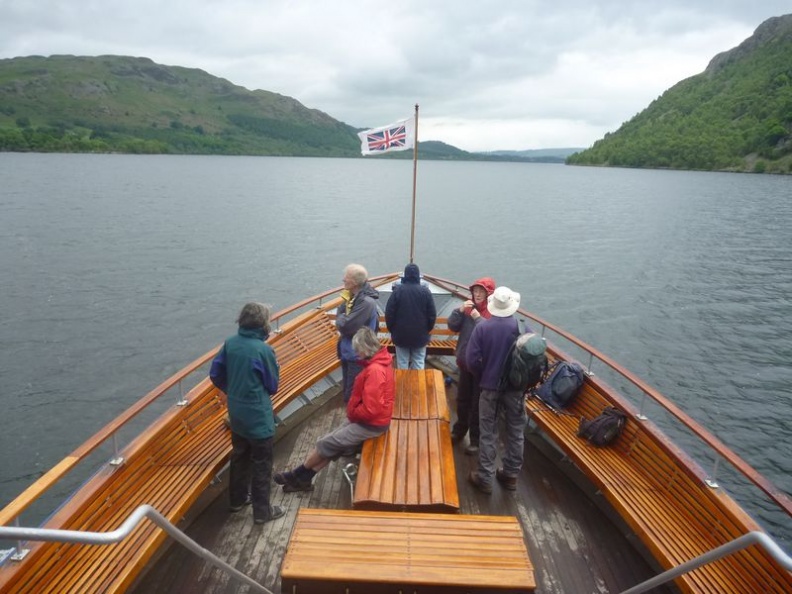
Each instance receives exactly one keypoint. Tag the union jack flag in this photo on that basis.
(398, 136)
(387, 139)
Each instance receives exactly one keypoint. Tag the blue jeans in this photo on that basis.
(251, 472)
(513, 406)
(410, 358)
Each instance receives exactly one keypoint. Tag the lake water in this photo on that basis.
(118, 270)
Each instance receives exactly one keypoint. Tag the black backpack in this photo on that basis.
(603, 429)
(525, 364)
(562, 384)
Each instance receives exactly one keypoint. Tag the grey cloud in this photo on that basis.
(582, 63)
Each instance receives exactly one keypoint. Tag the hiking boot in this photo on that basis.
(297, 486)
(276, 511)
(290, 482)
(475, 480)
(236, 508)
(282, 478)
(472, 450)
(508, 482)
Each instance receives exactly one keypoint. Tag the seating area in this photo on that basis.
(638, 477)
(411, 466)
(306, 353)
(187, 449)
(167, 467)
(345, 551)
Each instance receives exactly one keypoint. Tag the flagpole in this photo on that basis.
(415, 175)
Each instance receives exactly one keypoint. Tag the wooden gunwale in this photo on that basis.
(25, 499)
(662, 497)
(688, 467)
(185, 452)
(769, 489)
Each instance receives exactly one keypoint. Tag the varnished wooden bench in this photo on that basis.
(169, 472)
(305, 354)
(167, 467)
(420, 394)
(411, 466)
(673, 510)
(441, 342)
(371, 552)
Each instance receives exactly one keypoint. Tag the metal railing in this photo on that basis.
(720, 450)
(105, 538)
(725, 550)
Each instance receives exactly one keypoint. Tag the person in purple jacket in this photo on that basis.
(486, 354)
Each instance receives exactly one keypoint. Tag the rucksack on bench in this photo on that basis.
(603, 429)
(561, 385)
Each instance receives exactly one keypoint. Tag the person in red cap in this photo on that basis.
(463, 320)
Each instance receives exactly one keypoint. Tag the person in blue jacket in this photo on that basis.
(245, 369)
(358, 310)
(410, 316)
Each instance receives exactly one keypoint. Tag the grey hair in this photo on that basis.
(254, 316)
(365, 342)
(357, 273)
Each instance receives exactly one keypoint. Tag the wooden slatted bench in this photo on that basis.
(305, 354)
(420, 394)
(371, 552)
(441, 342)
(167, 467)
(188, 451)
(411, 466)
(674, 512)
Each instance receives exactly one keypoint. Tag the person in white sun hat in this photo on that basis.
(486, 353)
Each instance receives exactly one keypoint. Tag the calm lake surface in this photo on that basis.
(118, 270)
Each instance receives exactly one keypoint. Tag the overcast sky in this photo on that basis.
(507, 74)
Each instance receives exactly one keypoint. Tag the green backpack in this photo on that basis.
(525, 364)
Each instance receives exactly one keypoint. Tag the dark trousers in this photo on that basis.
(468, 393)
(251, 472)
(349, 371)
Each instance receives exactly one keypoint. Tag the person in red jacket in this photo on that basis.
(369, 413)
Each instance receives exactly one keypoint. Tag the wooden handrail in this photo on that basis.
(26, 498)
(43, 483)
(773, 492)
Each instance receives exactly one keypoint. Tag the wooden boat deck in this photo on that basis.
(573, 545)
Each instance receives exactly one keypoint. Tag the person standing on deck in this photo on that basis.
(463, 320)
(487, 350)
(410, 316)
(358, 309)
(247, 371)
(369, 413)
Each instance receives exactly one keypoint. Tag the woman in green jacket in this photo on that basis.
(247, 371)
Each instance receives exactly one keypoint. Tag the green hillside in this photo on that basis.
(735, 116)
(125, 104)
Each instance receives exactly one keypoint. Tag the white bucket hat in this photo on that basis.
(503, 302)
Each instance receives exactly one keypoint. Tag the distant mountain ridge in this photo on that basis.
(734, 116)
(133, 105)
(125, 104)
